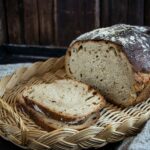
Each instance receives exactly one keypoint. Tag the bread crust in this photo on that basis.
(50, 124)
(66, 117)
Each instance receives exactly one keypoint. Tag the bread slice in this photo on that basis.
(64, 100)
(50, 124)
(103, 65)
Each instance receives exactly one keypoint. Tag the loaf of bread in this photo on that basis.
(115, 60)
(63, 103)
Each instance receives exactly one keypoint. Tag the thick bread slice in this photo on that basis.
(115, 60)
(50, 124)
(64, 100)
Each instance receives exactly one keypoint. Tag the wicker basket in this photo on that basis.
(16, 126)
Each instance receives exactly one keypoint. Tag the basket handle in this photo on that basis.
(17, 119)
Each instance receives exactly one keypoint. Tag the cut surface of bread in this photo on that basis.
(50, 124)
(64, 100)
(102, 64)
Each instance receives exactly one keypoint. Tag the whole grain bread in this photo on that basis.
(49, 124)
(63, 103)
(115, 60)
(64, 100)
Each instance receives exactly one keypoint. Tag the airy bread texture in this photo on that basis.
(103, 65)
(50, 124)
(62, 103)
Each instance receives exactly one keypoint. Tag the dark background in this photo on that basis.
(58, 22)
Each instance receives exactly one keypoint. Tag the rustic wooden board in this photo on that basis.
(73, 18)
(135, 12)
(31, 22)
(46, 23)
(105, 13)
(13, 21)
(118, 10)
(147, 12)
(2, 24)
(57, 22)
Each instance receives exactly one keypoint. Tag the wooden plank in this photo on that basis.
(119, 9)
(89, 17)
(97, 13)
(13, 21)
(135, 14)
(105, 13)
(125, 11)
(31, 26)
(147, 12)
(73, 17)
(2, 24)
(46, 22)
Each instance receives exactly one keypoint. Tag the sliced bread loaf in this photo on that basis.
(115, 60)
(50, 124)
(64, 100)
(63, 103)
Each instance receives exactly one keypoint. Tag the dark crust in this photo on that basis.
(144, 95)
(44, 122)
(59, 116)
(135, 42)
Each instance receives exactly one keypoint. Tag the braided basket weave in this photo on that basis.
(16, 126)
